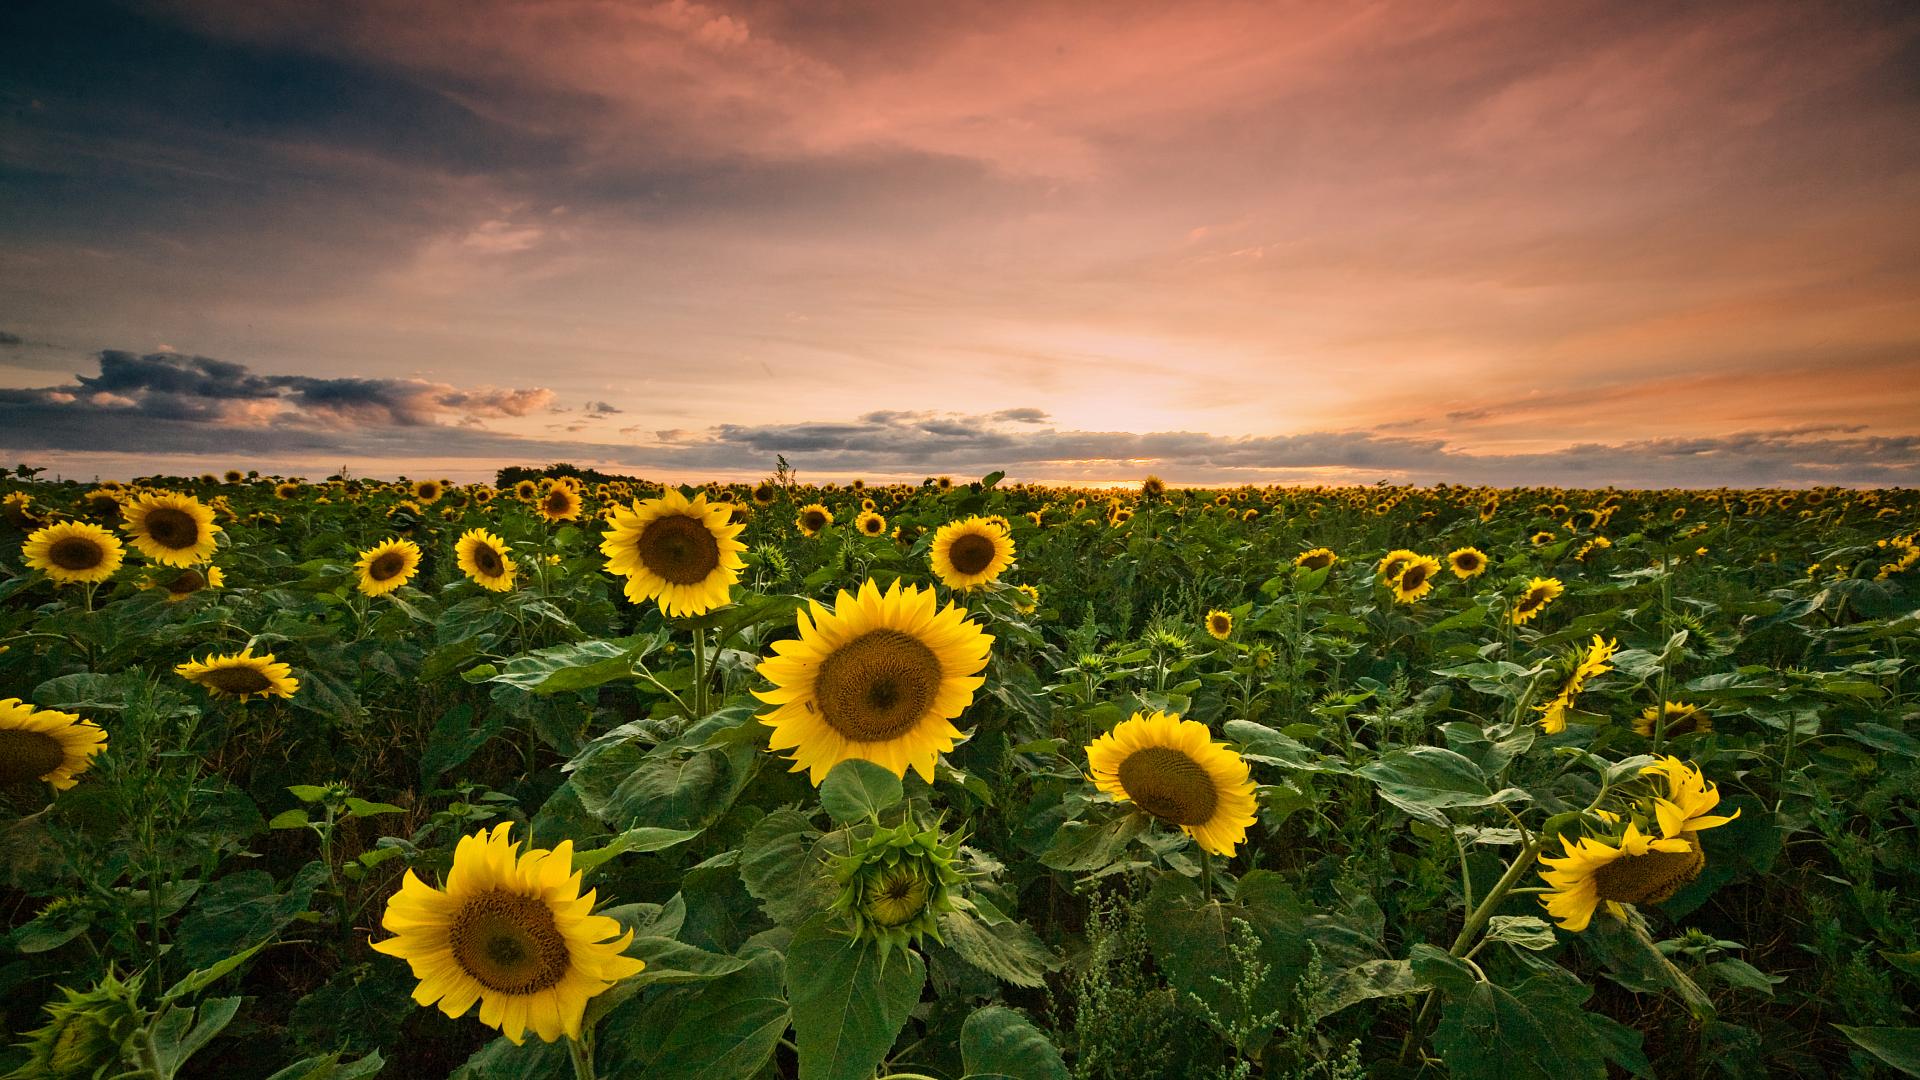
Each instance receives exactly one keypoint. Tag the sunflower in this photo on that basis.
(560, 502)
(483, 558)
(881, 676)
(1415, 579)
(511, 931)
(1172, 769)
(1679, 719)
(73, 552)
(241, 675)
(1638, 869)
(287, 489)
(526, 490)
(681, 552)
(41, 744)
(1394, 562)
(871, 524)
(1540, 592)
(170, 529)
(1467, 562)
(428, 491)
(812, 518)
(1026, 599)
(387, 565)
(1683, 810)
(1220, 624)
(1152, 487)
(182, 583)
(1541, 538)
(1317, 559)
(970, 553)
(1597, 660)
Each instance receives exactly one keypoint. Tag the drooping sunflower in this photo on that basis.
(1540, 592)
(484, 558)
(1636, 869)
(511, 931)
(560, 502)
(170, 529)
(1415, 579)
(182, 583)
(73, 552)
(1393, 562)
(1172, 769)
(1220, 624)
(241, 675)
(1684, 808)
(387, 565)
(1316, 559)
(1679, 717)
(812, 518)
(45, 745)
(880, 676)
(969, 553)
(871, 524)
(1467, 562)
(1595, 661)
(679, 551)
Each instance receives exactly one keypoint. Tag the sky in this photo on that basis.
(1580, 243)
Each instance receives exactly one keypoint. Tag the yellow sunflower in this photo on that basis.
(241, 675)
(1541, 538)
(387, 565)
(1680, 719)
(871, 524)
(560, 502)
(1394, 562)
(73, 552)
(1597, 660)
(510, 931)
(428, 491)
(1220, 624)
(41, 744)
(287, 489)
(526, 490)
(812, 518)
(681, 552)
(881, 677)
(1316, 559)
(1172, 769)
(170, 529)
(1415, 579)
(1467, 562)
(182, 583)
(1541, 591)
(970, 553)
(483, 558)
(1683, 810)
(764, 493)
(1026, 599)
(1637, 869)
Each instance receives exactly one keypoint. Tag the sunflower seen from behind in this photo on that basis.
(171, 529)
(387, 565)
(241, 675)
(73, 553)
(45, 745)
(484, 558)
(1174, 771)
(511, 931)
(879, 676)
(676, 550)
(969, 553)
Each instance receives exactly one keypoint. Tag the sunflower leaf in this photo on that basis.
(856, 790)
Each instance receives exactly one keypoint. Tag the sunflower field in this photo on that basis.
(575, 775)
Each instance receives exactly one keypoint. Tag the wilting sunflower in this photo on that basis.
(241, 675)
(1172, 769)
(1683, 809)
(1680, 719)
(970, 553)
(41, 744)
(1541, 591)
(170, 529)
(182, 583)
(871, 524)
(1394, 562)
(681, 552)
(387, 565)
(510, 931)
(881, 676)
(1415, 579)
(812, 518)
(1220, 624)
(1467, 562)
(1318, 558)
(483, 558)
(73, 552)
(1637, 869)
(560, 502)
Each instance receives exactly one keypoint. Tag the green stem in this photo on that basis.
(580, 1050)
(700, 706)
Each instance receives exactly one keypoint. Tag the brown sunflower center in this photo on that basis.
(488, 560)
(1466, 562)
(76, 553)
(877, 686)
(187, 581)
(813, 520)
(1533, 599)
(238, 680)
(558, 501)
(972, 554)
(390, 564)
(679, 548)
(1651, 878)
(1221, 624)
(28, 755)
(172, 527)
(1169, 785)
(1393, 568)
(1315, 562)
(1413, 577)
(872, 526)
(509, 943)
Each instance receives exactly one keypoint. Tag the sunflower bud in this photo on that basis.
(896, 882)
(88, 1034)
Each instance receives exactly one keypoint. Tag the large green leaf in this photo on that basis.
(1426, 780)
(722, 1030)
(1897, 1046)
(998, 1042)
(778, 866)
(857, 789)
(848, 1004)
(1006, 950)
(1536, 1031)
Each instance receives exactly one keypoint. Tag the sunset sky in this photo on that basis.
(1566, 243)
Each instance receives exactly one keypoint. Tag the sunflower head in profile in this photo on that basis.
(870, 523)
(44, 745)
(1637, 868)
(1317, 559)
(483, 557)
(896, 883)
(1677, 717)
(1219, 624)
(676, 550)
(812, 518)
(1539, 593)
(387, 565)
(1684, 798)
(880, 676)
(186, 581)
(171, 529)
(969, 553)
(241, 675)
(73, 553)
(1393, 562)
(511, 931)
(560, 502)
(1415, 579)
(1174, 771)
(1467, 562)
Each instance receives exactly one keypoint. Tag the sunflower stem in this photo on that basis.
(699, 673)
(580, 1050)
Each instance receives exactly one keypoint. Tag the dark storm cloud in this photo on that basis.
(11, 339)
